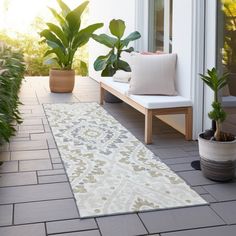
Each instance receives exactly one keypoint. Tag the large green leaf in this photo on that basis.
(51, 38)
(100, 63)
(105, 40)
(74, 17)
(62, 58)
(123, 65)
(65, 9)
(108, 71)
(117, 28)
(59, 18)
(83, 36)
(132, 37)
(59, 33)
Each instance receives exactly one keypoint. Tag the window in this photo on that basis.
(160, 25)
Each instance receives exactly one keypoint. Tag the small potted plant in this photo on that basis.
(63, 40)
(217, 149)
(112, 62)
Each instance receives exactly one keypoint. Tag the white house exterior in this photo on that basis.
(194, 37)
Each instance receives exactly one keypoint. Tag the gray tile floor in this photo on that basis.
(36, 198)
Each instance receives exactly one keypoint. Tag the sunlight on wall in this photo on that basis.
(21, 15)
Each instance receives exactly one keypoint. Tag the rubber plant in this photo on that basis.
(64, 38)
(216, 83)
(112, 62)
(12, 70)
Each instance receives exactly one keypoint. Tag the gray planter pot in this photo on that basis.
(217, 159)
(110, 98)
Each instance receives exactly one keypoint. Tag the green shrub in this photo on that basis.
(12, 70)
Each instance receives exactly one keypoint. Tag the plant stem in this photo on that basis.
(218, 131)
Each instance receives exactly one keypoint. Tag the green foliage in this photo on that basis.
(111, 62)
(12, 71)
(217, 114)
(216, 83)
(33, 52)
(66, 37)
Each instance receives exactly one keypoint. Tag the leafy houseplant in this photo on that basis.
(63, 40)
(217, 151)
(112, 62)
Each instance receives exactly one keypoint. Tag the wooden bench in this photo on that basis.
(150, 105)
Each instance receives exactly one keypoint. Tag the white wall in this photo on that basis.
(182, 45)
(104, 11)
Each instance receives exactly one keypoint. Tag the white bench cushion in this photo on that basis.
(148, 101)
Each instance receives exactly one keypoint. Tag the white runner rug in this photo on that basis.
(110, 171)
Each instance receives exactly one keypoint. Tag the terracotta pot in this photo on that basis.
(217, 159)
(61, 81)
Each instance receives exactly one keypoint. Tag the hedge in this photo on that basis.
(12, 70)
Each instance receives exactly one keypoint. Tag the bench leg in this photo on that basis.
(189, 124)
(148, 126)
(102, 92)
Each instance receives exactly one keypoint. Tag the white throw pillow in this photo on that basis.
(153, 74)
(122, 76)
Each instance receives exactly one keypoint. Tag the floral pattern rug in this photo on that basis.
(110, 171)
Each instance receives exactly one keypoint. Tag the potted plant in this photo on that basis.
(217, 149)
(112, 62)
(63, 40)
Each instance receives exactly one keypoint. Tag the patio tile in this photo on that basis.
(180, 160)
(31, 128)
(45, 211)
(14, 179)
(35, 193)
(42, 136)
(181, 167)
(222, 192)
(195, 178)
(56, 161)
(51, 172)
(6, 212)
(216, 231)
(226, 210)
(200, 190)
(52, 179)
(29, 145)
(51, 143)
(4, 156)
(30, 155)
(58, 166)
(170, 152)
(83, 233)
(70, 225)
(4, 147)
(24, 230)
(180, 219)
(125, 225)
(30, 165)
(31, 122)
(54, 153)
(9, 166)
(209, 198)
